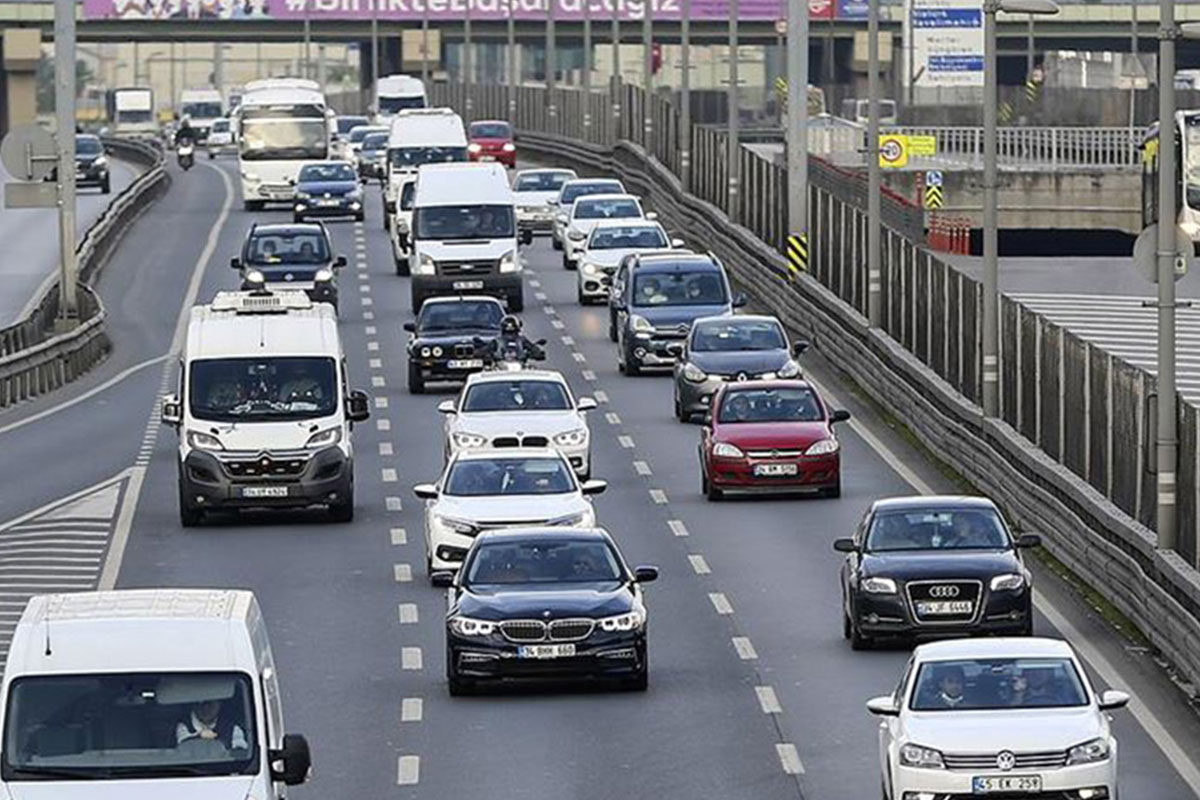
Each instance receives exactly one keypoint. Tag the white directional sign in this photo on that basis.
(28, 152)
(947, 42)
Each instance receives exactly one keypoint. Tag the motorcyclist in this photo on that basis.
(512, 339)
(186, 134)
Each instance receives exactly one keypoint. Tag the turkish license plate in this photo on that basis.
(487, 158)
(1006, 783)
(775, 469)
(468, 284)
(264, 491)
(331, 202)
(932, 608)
(465, 363)
(545, 651)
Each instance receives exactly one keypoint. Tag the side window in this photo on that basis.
(902, 686)
(860, 533)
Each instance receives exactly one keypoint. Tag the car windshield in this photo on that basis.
(542, 181)
(997, 683)
(645, 237)
(937, 529)
(607, 209)
(700, 288)
(220, 126)
(516, 395)
(475, 314)
(347, 124)
(279, 138)
(446, 223)
(392, 105)
(490, 130)
(726, 336)
(203, 110)
(130, 725)
(544, 561)
(416, 156)
(262, 389)
(572, 192)
(479, 477)
(88, 146)
(279, 248)
(791, 404)
(374, 141)
(322, 173)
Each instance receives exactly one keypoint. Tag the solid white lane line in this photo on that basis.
(626, 442)
(720, 603)
(658, 496)
(383, 425)
(789, 759)
(699, 565)
(677, 527)
(394, 504)
(385, 448)
(408, 773)
(767, 700)
(381, 402)
(408, 613)
(387, 475)
(410, 658)
(399, 536)
(402, 573)
(412, 709)
(641, 468)
(745, 650)
(612, 418)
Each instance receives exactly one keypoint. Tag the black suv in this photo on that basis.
(298, 256)
(448, 338)
(91, 164)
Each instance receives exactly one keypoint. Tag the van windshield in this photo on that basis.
(447, 223)
(262, 389)
(403, 157)
(130, 725)
(391, 105)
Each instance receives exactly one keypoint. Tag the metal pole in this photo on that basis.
(467, 62)
(375, 56)
(616, 69)
(797, 118)
(219, 67)
(1029, 47)
(258, 60)
(733, 150)
(137, 63)
(425, 42)
(685, 96)
(513, 66)
(1134, 65)
(174, 93)
(1168, 131)
(307, 41)
(551, 66)
(321, 64)
(874, 299)
(64, 113)
(587, 69)
(647, 68)
(991, 300)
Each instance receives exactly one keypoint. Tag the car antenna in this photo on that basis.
(49, 605)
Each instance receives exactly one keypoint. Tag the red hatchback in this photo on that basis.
(492, 140)
(770, 436)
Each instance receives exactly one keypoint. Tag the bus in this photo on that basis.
(282, 124)
(1187, 174)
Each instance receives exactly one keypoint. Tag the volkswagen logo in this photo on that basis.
(943, 591)
(289, 277)
(1005, 760)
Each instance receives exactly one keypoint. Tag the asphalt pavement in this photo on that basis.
(753, 693)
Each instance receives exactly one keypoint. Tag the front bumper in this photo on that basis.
(600, 655)
(329, 207)
(1063, 783)
(651, 349)
(91, 177)
(320, 478)
(812, 472)
(269, 192)
(496, 284)
(594, 284)
(696, 398)
(537, 220)
(884, 615)
(439, 369)
(221, 147)
(506, 157)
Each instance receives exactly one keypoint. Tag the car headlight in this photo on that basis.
(560, 218)
(726, 450)
(914, 755)
(573, 438)
(100, 161)
(474, 148)
(568, 520)
(879, 586)
(468, 440)
(1008, 583)
(204, 441)
(693, 373)
(508, 261)
(509, 147)
(640, 323)
(437, 351)
(303, 196)
(576, 236)
(823, 447)
(1088, 752)
(789, 370)
(465, 626)
(426, 352)
(354, 194)
(426, 265)
(323, 276)
(325, 438)
(623, 622)
(459, 526)
(589, 269)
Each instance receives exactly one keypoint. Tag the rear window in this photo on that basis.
(607, 209)
(542, 181)
(572, 192)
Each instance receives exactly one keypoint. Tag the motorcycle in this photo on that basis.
(501, 355)
(186, 154)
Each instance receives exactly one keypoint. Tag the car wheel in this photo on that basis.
(583, 301)
(296, 219)
(386, 223)
(845, 625)
(416, 382)
(516, 301)
(343, 512)
(189, 515)
(834, 491)
(568, 264)
(459, 687)
(252, 205)
(555, 243)
(710, 492)
(106, 187)
(857, 640)
(632, 368)
(640, 680)
(681, 413)
(417, 300)
(612, 325)
(1027, 628)
(360, 216)
(428, 564)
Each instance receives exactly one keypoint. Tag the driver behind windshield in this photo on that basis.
(206, 722)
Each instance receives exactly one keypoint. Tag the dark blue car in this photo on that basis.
(329, 189)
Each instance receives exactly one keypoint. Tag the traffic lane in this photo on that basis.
(30, 239)
(1072, 275)
(785, 580)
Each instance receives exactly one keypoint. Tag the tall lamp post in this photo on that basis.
(797, 118)
(991, 299)
(874, 179)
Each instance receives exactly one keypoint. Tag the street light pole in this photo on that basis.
(375, 56)
(467, 62)
(797, 118)
(615, 88)
(685, 96)
(551, 109)
(733, 149)
(64, 113)
(307, 41)
(513, 66)
(647, 69)
(1166, 437)
(874, 211)
(425, 43)
(587, 69)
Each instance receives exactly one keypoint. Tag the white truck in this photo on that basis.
(202, 107)
(397, 93)
(131, 112)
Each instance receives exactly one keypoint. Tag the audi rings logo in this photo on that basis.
(1005, 760)
(943, 592)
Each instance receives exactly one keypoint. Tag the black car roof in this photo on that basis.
(932, 502)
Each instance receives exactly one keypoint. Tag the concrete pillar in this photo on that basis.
(21, 50)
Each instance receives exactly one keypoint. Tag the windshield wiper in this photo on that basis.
(85, 774)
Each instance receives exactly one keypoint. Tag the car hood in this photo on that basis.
(464, 249)
(255, 437)
(455, 337)
(236, 787)
(586, 225)
(612, 257)
(752, 362)
(980, 564)
(535, 198)
(525, 509)
(333, 187)
(521, 423)
(1021, 731)
(670, 316)
(560, 599)
(772, 435)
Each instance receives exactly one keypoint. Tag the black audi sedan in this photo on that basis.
(930, 566)
(545, 603)
(448, 338)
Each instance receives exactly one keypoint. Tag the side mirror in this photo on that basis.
(291, 181)
(1026, 540)
(527, 236)
(739, 300)
(235, 262)
(799, 348)
(650, 215)
(585, 404)
(339, 262)
(358, 407)
(884, 706)
(676, 243)
(411, 327)
(1113, 699)
(844, 545)
(645, 574)
(593, 487)
(840, 415)
(172, 410)
(446, 407)
(442, 579)
(293, 763)
(425, 491)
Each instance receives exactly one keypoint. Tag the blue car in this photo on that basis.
(329, 189)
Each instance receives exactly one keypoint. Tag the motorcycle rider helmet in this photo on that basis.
(510, 325)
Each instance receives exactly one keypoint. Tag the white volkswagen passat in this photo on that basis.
(607, 244)
(529, 408)
(484, 490)
(1005, 716)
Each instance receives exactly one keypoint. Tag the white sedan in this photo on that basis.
(588, 212)
(608, 243)
(530, 408)
(1004, 716)
(485, 490)
(536, 192)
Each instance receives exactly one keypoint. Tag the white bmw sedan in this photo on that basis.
(485, 490)
(1012, 717)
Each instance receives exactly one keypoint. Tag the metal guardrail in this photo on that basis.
(33, 358)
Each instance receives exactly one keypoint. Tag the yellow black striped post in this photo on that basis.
(1031, 90)
(933, 197)
(797, 254)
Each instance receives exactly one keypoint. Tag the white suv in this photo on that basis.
(997, 716)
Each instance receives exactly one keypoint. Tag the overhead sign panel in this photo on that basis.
(947, 42)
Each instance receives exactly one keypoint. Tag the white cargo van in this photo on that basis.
(401, 231)
(396, 93)
(202, 107)
(464, 234)
(420, 136)
(145, 695)
(263, 409)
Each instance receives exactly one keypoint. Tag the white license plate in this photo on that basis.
(465, 363)
(775, 469)
(546, 651)
(468, 284)
(331, 202)
(264, 491)
(1006, 783)
(935, 607)
(487, 158)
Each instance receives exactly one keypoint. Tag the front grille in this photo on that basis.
(265, 467)
(774, 453)
(559, 630)
(462, 350)
(276, 191)
(466, 267)
(523, 441)
(523, 630)
(671, 332)
(571, 630)
(1050, 759)
(947, 590)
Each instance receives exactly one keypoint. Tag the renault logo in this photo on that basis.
(943, 591)
(1005, 760)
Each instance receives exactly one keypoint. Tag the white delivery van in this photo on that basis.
(144, 695)
(131, 112)
(263, 409)
(401, 230)
(464, 234)
(420, 136)
(397, 93)
(202, 107)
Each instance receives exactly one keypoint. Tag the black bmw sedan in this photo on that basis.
(543, 603)
(448, 337)
(928, 566)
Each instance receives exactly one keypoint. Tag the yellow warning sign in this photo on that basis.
(797, 254)
(893, 150)
(922, 145)
(933, 197)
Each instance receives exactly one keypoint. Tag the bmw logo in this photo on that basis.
(289, 277)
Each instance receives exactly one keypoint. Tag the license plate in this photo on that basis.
(1006, 783)
(331, 202)
(465, 363)
(468, 284)
(487, 158)
(935, 607)
(541, 651)
(775, 469)
(264, 491)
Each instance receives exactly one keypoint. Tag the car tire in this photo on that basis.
(555, 243)
(416, 382)
(211, 155)
(583, 301)
(459, 687)
(632, 369)
(858, 641)
(566, 262)
(416, 301)
(189, 515)
(106, 187)
(681, 414)
(1027, 628)
(387, 226)
(297, 219)
(710, 492)
(612, 325)
(343, 512)
(846, 625)
(640, 680)
(833, 492)
(516, 301)
(360, 216)
(252, 205)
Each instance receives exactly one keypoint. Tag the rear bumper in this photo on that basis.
(507, 158)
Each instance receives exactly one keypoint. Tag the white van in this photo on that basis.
(401, 229)
(202, 107)
(420, 136)
(144, 695)
(396, 93)
(464, 234)
(263, 409)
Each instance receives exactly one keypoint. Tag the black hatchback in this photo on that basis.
(930, 566)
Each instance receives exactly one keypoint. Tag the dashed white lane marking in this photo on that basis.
(569, 341)
(402, 572)
(540, 296)
(612, 418)
(410, 658)
(699, 565)
(767, 700)
(641, 468)
(378, 381)
(535, 283)
(399, 536)
(366, 301)
(558, 324)
(408, 613)
(720, 603)
(375, 363)
(550, 310)
(385, 448)
(394, 504)
(412, 709)
(381, 402)
(387, 475)
(789, 759)
(408, 773)
(365, 288)
(580, 358)
(368, 315)
(677, 527)
(369, 330)
(658, 496)
(600, 396)
(626, 442)
(588, 375)
(373, 346)
(745, 650)
(383, 424)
